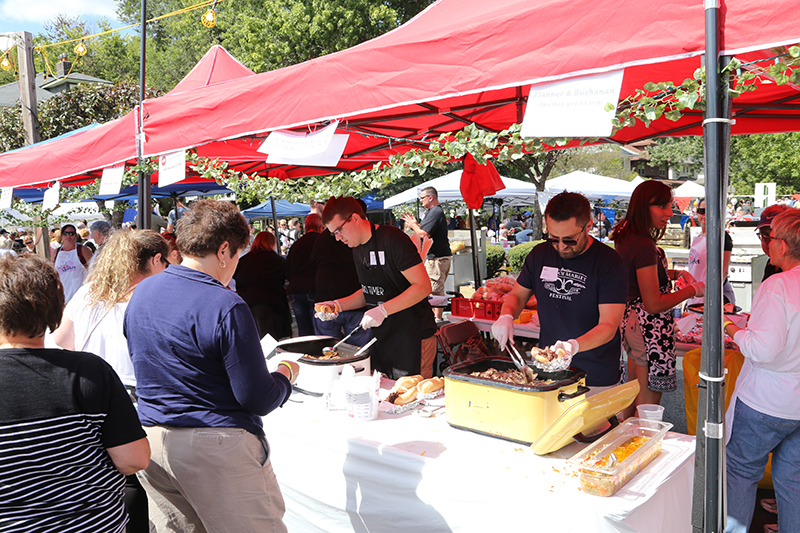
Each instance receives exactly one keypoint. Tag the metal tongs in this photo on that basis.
(519, 362)
(333, 348)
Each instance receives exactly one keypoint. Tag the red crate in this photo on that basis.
(469, 307)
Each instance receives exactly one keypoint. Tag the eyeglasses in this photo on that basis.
(701, 210)
(764, 237)
(571, 241)
(28, 242)
(338, 231)
(69, 233)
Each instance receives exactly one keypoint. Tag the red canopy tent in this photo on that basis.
(458, 62)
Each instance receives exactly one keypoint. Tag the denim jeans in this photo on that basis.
(303, 308)
(754, 436)
(342, 325)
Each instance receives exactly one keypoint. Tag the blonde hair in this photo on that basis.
(122, 257)
(786, 227)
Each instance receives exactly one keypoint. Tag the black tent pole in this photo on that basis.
(275, 224)
(709, 489)
(144, 220)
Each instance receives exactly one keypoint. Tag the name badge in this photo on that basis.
(549, 273)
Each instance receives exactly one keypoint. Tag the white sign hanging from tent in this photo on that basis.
(322, 148)
(6, 197)
(51, 196)
(111, 181)
(573, 108)
(171, 168)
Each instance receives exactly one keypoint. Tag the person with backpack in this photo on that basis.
(71, 261)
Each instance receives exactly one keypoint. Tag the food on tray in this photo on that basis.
(402, 395)
(428, 386)
(728, 308)
(606, 484)
(457, 246)
(512, 376)
(406, 382)
(327, 355)
(547, 355)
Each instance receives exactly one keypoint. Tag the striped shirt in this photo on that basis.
(59, 412)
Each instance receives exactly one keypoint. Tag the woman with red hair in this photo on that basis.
(260, 279)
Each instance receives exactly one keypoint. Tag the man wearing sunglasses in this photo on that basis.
(71, 261)
(394, 287)
(581, 287)
(764, 232)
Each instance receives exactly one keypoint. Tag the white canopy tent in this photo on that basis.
(593, 186)
(449, 189)
(689, 189)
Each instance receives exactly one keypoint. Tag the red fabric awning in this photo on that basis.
(458, 62)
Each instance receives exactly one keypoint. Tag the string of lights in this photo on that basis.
(208, 19)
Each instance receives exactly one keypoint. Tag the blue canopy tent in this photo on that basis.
(283, 208)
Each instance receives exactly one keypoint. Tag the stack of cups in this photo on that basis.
(650, 411)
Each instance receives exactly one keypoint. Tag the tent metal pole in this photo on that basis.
(476, 267)
(275, 225)
(709, 489)
(143, 191)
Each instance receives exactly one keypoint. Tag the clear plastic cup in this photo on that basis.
(650, 411)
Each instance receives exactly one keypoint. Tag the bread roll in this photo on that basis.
(407, 382)
(430, 385)
(405, 396)
(324, 308)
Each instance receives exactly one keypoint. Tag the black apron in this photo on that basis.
(397, 351)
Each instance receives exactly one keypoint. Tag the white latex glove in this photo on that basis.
(333, 304)
(686, 277)
(699, 288)
(503, 329)
(374, 317)
(570, 347)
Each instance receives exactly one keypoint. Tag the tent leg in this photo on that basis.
(476, 267)
(275, 225)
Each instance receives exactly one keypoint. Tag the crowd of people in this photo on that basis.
(170, 413)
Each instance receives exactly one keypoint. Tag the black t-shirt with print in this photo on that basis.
(569, 293)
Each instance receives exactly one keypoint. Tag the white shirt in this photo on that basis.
(769, 381)
(100, 332)
(71, 271)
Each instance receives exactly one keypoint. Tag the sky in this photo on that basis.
(31, 15)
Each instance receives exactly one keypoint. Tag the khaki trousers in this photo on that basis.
(211, 480)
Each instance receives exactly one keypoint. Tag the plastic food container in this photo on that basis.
(634, 444)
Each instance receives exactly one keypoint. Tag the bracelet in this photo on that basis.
(726, 324)
(291, 372)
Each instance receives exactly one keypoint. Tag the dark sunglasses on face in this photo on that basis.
(566, 242)
(764, 238)
(701, 210)
(70, 233)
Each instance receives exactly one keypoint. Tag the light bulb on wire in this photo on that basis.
(5, 64)
(80, 49)
(209, 18)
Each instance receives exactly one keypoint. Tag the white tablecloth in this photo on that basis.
(407, 473)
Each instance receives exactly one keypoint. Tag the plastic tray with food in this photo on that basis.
(607, 465)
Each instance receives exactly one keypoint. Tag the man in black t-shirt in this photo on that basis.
(580, 286)
(433, 226)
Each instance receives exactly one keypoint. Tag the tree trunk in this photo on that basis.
(537, 169)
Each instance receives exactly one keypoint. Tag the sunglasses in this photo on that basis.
(764, 238)
(28, 242)
(701, 210)
(572, 241)
(69, 233)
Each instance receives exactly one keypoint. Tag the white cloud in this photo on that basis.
(38, 12)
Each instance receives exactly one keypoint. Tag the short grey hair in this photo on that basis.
(102, 227)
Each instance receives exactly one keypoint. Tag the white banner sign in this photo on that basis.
(573, 108)
(171, 168)
(6, 197)
(51, 196)
(292, 145)
(111, 181)
(328, 158)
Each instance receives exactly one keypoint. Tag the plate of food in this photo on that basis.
(728, 309)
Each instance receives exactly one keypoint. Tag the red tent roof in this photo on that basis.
(215, 66)
(463, 61)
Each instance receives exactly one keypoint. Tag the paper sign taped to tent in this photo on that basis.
(6, 197)
(171, 168)
(111, 181)
(51, 196)
(328, 158)
(295, 145)
(573, 108)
